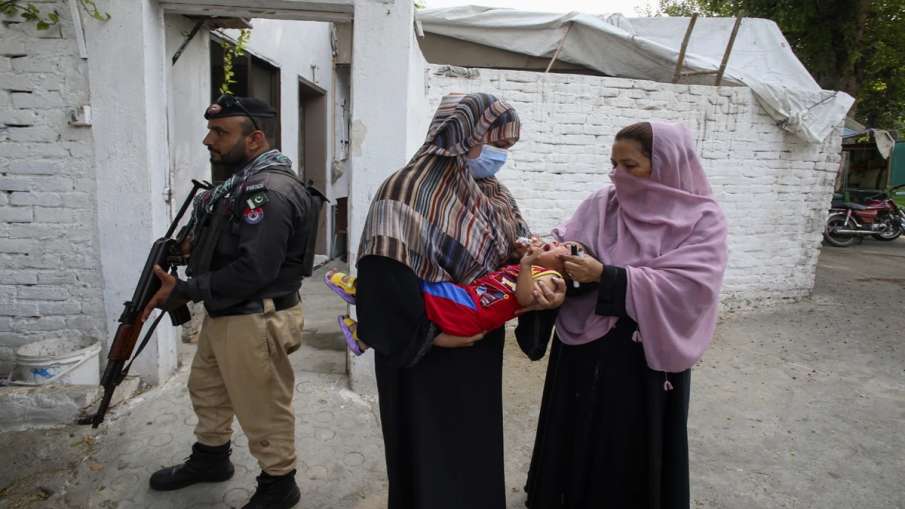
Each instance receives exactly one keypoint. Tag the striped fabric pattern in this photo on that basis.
(432, 215)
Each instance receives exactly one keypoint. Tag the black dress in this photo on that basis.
(609, 434)
(440, 408)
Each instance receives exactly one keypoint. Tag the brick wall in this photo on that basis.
(50, 283)
(773, 187)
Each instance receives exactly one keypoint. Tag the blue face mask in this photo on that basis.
(488, 163)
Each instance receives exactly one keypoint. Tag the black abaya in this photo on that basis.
(609, 434)
(440, 408)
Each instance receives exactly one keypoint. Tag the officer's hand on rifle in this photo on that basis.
(167, 283)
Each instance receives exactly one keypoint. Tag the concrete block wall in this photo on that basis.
(50, 283)
(774, 188)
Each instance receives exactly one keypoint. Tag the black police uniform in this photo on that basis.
(248, 258)
(261, 250)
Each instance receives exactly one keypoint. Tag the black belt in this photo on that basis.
(257, 306)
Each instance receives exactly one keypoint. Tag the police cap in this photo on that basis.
(232, 106)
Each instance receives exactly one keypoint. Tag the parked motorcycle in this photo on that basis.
(879, 216)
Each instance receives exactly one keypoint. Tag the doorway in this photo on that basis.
(312, 156)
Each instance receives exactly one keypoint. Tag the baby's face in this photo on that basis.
(550, 257)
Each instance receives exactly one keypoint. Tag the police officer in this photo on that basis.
(250, 239)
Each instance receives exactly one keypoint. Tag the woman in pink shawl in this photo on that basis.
(612, 430)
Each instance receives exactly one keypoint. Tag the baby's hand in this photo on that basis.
(523, 244)
(530, 255)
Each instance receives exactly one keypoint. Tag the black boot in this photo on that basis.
(206, 464)
(275, 492)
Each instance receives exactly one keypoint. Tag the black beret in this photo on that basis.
(231, 106)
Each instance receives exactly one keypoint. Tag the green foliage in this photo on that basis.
(29, 12)
(689, 7)
(882, 66)
(230, 52)
(857, 46)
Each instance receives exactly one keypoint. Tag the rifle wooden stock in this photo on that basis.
(124, 341)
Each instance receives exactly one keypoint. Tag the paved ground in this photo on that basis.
(337, 437)
(804, 406)
(800, 406)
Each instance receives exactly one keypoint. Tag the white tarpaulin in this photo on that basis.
(648, 48)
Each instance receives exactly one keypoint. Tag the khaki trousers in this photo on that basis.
(241, 369)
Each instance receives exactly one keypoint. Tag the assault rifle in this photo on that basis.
(166, 252)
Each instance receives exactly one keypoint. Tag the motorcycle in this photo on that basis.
(879, 216)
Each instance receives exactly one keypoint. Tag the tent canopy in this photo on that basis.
(648, 48)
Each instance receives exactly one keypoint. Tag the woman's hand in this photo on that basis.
(549, 293)
(444, 340)
(584, 268)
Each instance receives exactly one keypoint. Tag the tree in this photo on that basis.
(857, 46)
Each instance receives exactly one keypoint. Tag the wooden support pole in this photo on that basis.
(188, 39)
(698, 73)
(681, 61)
(719, 75)
(558, 49)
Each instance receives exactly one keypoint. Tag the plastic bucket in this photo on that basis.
(58, 360)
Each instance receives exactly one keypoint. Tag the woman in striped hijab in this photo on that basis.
(435, 220)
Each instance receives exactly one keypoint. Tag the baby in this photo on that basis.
(485, 304)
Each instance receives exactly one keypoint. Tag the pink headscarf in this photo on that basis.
(670, 235)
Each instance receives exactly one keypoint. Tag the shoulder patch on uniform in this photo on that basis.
(253, 215)
(257, 200)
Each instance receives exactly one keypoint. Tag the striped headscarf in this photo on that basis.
(432, 215)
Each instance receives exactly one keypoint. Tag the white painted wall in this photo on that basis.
(91, 200)
(50, 283)
(189, 94)
(774, 188)
(131, 158)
